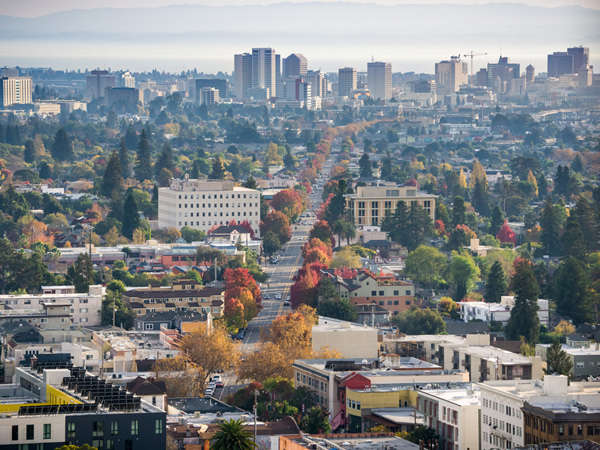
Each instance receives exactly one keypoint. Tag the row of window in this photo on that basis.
(45, 300)
(209, 196)
(179, 299)
(30, 432)
(312, 382)
(220, 205)
(497, 441)
(396, 293)
(204, 214)
(504, 426)
(209, 223)
(497, 406)
(354, 404)
(581, 364)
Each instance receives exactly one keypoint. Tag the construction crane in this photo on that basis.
(471, 54)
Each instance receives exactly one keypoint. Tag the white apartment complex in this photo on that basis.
(15, 91)
(201, 204)
(498, 312)
(85, 307)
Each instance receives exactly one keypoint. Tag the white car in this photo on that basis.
(209, 391)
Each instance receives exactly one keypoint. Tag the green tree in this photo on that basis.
(586, 217)
(366, 171)
(288, 160)
(420, 321)
(572, 292)
(143, 169)
(425, 434)
(316, 421)
(481, 196)
(192, 235)
(426, 265)
(165, 160)
(524, 320)
(271, 243)
(441, 213)
(112, 176)
(232, 435)
(81, 274)
(250, 183)
(195, 172)
(131, 217)
(218, 169)
(557, 360)
(164, 177)
(124, 317)
(459, 211)
(497, 220)
(340, 309)
(408, 226)
(29, 153)
(495, 286)
(572, 243)
(550, 223)
(124, 159)
(463, 273)
(77, 447)
(327, 289)
(62, 148)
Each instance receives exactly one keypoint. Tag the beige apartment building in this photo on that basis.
(370, 203)
(201, 204)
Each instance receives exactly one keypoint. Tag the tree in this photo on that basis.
(218, 169)
(424, 434)
(497, 220)
(29, 154)
(408, 226)
(426, 265)
(495, 286)
(316, 421)
(460, 237)
(340, 309)
(572, 243)
(288, 160)
(419, 321)
(366, 171)
(192, 235)
(557, 360)
(572, 292)
(586, 217)
(77, 447)
(62, 148)
(551, 224)
(524, 320)
(532, 180)
(289, 202)
(165, 160)
(123, 315)
(346, 257)
(463, 274)
(565, 328)
(143, 169)
(506, 234)
(164, 177)
(112, 175)
(321, 231)
(232, 435)
(271, 243)
(81, 274)
(481, 197)
(279, 224)
(124, 160)
(459, 211)
(131, 217)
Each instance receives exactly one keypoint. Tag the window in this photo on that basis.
(29, 432)
(71, 430)
(47, 431)
(15, 432)
(408, 292)
(396, 293)
(580, 365)
(114, 428)
(381, 293)
(135, 426)
(158, 426)
(408, 302)
(110, 444)
(149, 326)
(373, 293)
(98, 443)
(98, 429)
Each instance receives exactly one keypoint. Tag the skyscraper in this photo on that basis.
(559, 63)
(530, 73)
(265, 69)
(346, 81)
(294, 65)
(450, 75)
(15, 91)
(97, 82)
(379, 80)
(581, 57)
(243, 74)
(317, 82)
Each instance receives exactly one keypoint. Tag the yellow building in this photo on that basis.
(369, 204)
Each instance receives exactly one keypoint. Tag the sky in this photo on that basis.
(36, 8)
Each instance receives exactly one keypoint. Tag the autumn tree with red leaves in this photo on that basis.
(305, 287)
(248, 227)
(506, 235)
(241, 287)
(278, 223)
(289, 202)
(322, 231)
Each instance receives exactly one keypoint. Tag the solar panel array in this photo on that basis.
(39, 366)
(34, 410)
(100, 392)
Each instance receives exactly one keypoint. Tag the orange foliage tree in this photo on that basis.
(289, 202)
(279, 224)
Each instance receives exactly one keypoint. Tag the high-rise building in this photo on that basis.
(346, 81)
(220, 84)
(15, 91)
(243, 74)
(265, 69)
(124, 80)
(581, 57)
(209, 96)
(501, 74)
(422, 86)
(559, 63)
(97, 82)
(380, 80)
(450, 75)
(530, 73)
(317, 82)
(294, 65)
(126, 98)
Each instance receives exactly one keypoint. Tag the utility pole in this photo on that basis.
(215, 269)
(114, 313)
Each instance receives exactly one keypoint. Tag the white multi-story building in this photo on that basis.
(85, 307)
(498, 312)
(15, 91)
(379, 80)
(201, 204)
(454, 414)
(266, 69)
(450, 75)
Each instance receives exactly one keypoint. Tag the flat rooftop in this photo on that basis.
(350, 441)
(462, 397)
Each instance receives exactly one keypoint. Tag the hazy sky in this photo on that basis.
(35, 8)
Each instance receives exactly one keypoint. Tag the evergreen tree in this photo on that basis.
(542, 186)
(480, 197)
(495, 287)
(45, 171)
(116, 206)
(524, 320)
(131, 139)
(81, 274)
(572, 292)
(577, 164)
(366, 171)
(29, 153)
(143, 169)
(588, 224)
(124, 159)
(112, 180)
(557, 360)
(131, 217)
(459, 211)
(195, 172)
(232, 435)
(551, 224)
(165, 160)
(571, 242)
(62, 148)
(218, 169)
(496, 221)
(250, 183)
(441, 213)
(288, 160)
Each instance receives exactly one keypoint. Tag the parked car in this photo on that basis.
(216, 378)
(278, 296)
(286, 303)
(219, 384)
(209, 391)
(266, 297)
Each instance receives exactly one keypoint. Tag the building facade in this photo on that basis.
(243, 74)
(380, 80)
(450, 75)
(346, 81)
(266, 70)
(97, 82)
(15, 91)
(201, 204)
(294, 65)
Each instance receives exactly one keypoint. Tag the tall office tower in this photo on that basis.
(530, 73)
(97, 82)
(317, 82)
(581, 57)
(422, 86)
(585, 76)
(294, 65)
(265, 73)
(501, 74)
(124, 80)
(450, 75)
(346, 81)
(380, 80)
(559, 63)
(15, 91)
(481, 77)
(243, 74)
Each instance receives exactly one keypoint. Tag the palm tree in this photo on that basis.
(232, 436)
